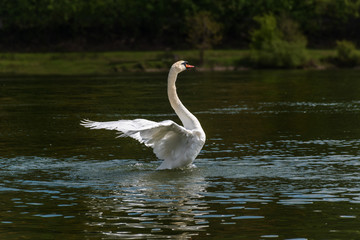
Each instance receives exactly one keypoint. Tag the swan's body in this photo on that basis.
(177, 145)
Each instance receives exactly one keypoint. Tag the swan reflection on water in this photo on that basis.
(148, 203)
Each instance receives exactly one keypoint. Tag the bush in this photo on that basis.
(274, 46)
(280, 54)
(346, 55)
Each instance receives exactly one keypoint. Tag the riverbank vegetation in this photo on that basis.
(107, 37)
(90, 63)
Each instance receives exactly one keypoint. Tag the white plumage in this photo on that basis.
(177, 145)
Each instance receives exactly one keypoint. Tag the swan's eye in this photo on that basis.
(185, 63)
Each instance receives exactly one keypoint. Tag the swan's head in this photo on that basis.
(180, 66)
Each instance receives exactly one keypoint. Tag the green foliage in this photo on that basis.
(266, 34)
(48, 25)
(274, 46)
(346, 54)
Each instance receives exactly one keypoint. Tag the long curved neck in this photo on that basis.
(187, 118)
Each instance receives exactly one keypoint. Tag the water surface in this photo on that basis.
(280, 162)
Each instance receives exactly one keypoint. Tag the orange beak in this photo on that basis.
(189, 66)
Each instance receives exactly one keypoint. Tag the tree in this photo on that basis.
(204, 32)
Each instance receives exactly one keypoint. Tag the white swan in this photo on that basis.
(177, 145)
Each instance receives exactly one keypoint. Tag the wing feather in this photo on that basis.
(170, 141)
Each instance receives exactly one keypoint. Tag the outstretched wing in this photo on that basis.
(168, 139)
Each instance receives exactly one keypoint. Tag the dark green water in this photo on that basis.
(281, 159)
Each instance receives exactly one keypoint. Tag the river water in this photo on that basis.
(281, 159)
